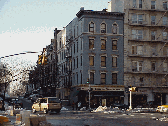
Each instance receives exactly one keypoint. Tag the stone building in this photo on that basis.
(145, 49)
(90, 53)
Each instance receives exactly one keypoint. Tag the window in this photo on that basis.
(114, 29)
(114, 61)
(74, 48)
(164, 35)
(91, 78)
(165, 5)
(153, 35)
(136, 66)
(153, 66)
(164, 20)
(153, 50)
(74, 63)
(77, 47)
(81, 60)
(103, 61)
(103, 44)
(137, 18)
(77, 77)
(153, 3)
(164, 66)
(91, 43)
(134, 18)
(81, 78)
(91, 60)
(134, 49)
(114, 78)
(134, 3)
(60, 43)
(153, 20)
(103, 28)
(91, 27)
(114, 44)
(77, 62)
(103, 78)
(137, 34)
(165, 50)
(140, 3)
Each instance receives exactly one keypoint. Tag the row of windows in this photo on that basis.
(92, 78)
(139, 34)
(139, 3)
(138, 66)
(103, 28)
(103, 44)
(139, 19)
(139, 49)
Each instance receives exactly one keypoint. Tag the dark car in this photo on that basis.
(16, 103)
(121, 106)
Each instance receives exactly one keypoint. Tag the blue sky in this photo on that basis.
(28, 25)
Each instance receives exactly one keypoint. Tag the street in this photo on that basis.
(103, 118)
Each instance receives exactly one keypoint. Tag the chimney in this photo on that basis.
(82, 8)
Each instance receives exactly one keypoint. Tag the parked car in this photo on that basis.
(47, 104)
(121, 106)
(15, 102)
(35, 97)
(1, 103)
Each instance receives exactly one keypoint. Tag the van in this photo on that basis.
(47, 104)
(162, 108)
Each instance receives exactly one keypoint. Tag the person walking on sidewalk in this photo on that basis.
(73, 104)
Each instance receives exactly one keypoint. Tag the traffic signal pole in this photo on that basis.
(130, 107)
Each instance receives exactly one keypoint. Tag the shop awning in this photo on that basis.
(108, 93)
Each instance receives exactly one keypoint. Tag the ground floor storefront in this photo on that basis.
(98, 96)
(144, 96)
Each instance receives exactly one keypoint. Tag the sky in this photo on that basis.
(28, 25)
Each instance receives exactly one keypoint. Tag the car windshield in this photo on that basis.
(53, 100)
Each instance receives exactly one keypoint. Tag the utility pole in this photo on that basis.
(130, 89)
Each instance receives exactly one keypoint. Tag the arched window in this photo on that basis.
(91, 27)
(114, 29)
(103, 28)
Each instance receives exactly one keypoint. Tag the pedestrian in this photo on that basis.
(79, 105)
(73, 104)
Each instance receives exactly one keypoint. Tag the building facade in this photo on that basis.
(90, 53)
(145, 50)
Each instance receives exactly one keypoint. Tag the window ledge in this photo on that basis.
(103, 50)
(103, 67)
(115, 50)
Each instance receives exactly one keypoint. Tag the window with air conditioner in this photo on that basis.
(103, 28)
(165, 37)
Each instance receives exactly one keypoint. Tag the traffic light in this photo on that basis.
(44, 60)
(40, 59)
(88, 81)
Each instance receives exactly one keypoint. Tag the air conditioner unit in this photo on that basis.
(103, 31)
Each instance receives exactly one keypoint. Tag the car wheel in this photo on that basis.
(58, 111)
(34, 111)
(45, 111)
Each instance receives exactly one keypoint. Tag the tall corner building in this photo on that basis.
(90, 53)
(145, 49)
